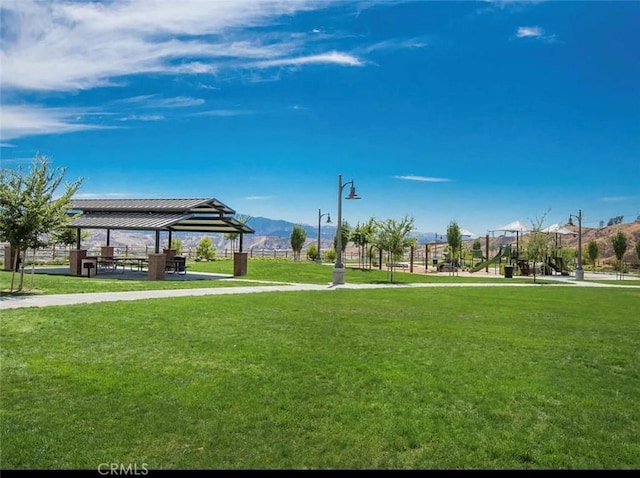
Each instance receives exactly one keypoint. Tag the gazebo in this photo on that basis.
(159, 215)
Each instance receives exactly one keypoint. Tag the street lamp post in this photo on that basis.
(338, 270)
(320, 216)
(579, 270)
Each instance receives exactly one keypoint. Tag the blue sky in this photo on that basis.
(480, 112)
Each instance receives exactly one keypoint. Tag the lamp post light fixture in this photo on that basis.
(338, 270)
(320, 216)
(579, 270)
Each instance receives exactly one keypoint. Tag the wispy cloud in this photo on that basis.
(175, 102)
(257, 198)
(7, 145)
(526, 32)
(142, 118)
(88, 195)
(616, 198)
(26, 120)
(80, 44)
(424, 179)
(154, 101)
(334, 57)
(16, 161)
(222, 113)
(535, 32)
(204, 86)
(500, 5)
(395, 44)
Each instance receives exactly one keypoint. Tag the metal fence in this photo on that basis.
(60, 254)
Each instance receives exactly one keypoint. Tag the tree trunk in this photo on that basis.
(21, 283)
(33, 268)
(16, 256)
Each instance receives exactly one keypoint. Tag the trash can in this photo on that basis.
(89, 266)
(508, 272)
(435, 262)
(180, 262)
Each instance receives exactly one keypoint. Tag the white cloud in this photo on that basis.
(257, 198)
(334, 57)
(153, 101)
(19, 120)
(82, 45)
(395, 44)
(425, 179)
(7, 145)
(526, 32)
(116, 195)
(536, 33)
(142, 118)
(175, 102)
(222, 113)
(207, 87)
(616, 198)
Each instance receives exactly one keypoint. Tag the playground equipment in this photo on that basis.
(504, 251)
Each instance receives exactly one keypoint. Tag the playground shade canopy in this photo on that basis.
(515, 226)
(558, 229)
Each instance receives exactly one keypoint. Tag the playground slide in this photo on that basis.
(487, 263)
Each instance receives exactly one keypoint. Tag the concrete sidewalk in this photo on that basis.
(15, 302)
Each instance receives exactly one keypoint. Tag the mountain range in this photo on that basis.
(273, 234)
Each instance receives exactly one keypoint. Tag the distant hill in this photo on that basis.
(602, 236)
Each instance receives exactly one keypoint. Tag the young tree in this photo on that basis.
(593, 251)
(393, 237)
(454, 239)
(205, 250)
(476, 252)
(297, 239)
(177, 245)
(638, 248)
(619, 243)
(363, 236)
(345, 231)
(30, 207)
(312, 252)
(538, 244)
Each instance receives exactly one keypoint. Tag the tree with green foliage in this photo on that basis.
(312, 252)
(593, 251)
(619, 243)
(330, 255)
(205, 250)
(537, 244)
(177, 245)
(363, 236)
(454, 240)
(393, 237)
(297, 240)
(638, 248)
(31, 208)
(346, 236)
(476, 251)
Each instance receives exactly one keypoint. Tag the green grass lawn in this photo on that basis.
(433, 378)
(626, 281)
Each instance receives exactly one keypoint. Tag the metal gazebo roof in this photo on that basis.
(173, 215)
